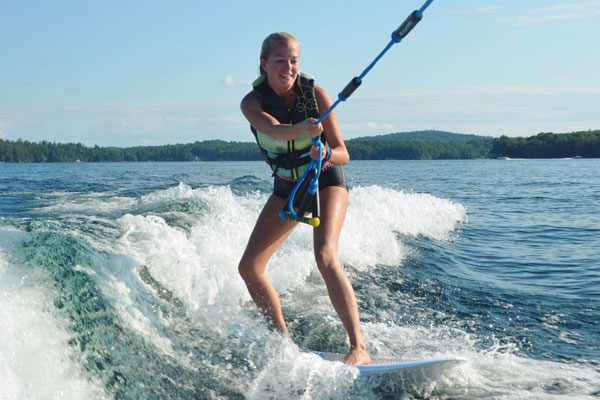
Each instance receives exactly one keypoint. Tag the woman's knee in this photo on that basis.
(247, 270)
(326, 259)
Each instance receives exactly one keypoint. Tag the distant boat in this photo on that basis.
(502, 158)
(578, 157)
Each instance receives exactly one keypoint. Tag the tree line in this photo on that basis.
(423, 145)
(549, 145)
(44, 151)
(219, 150)
(397, 149)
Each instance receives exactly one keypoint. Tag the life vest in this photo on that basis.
(288, 159)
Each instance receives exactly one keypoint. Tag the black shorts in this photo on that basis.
(332, 175)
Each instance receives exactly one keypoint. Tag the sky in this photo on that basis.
(131, 73)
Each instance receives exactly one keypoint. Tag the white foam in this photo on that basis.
(35, 360)
(200, 265)
(122, 287)
(291, 374)
(179, 192)
(510, 376)
(87, 203)
(378, 218)
(498, 371)
(196, 266)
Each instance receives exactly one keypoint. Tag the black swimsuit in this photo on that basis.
(331, 175)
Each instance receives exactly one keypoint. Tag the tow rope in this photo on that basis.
(308, 184)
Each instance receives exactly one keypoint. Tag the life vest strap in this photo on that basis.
(287, 161)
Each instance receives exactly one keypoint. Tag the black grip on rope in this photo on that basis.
(410, 22)
(350, 88)
(316, 205)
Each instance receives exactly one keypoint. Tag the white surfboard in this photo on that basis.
(388, 365)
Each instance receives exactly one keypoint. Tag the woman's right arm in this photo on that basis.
(267, 124)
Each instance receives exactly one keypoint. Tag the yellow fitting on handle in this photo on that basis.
(314, 221)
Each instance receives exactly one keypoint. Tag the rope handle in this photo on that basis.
(312, 190)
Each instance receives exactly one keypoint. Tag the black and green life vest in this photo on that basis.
(288, 159)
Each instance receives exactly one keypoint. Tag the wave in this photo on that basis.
(143, 300)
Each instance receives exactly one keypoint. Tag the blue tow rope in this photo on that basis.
(314, 168)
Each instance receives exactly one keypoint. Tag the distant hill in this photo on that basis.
(429, 136)
(584, 144)
(420, 145)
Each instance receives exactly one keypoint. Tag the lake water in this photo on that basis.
(120, 281)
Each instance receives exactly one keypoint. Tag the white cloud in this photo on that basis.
(486, 110)
(482, 10)
(230, 82)
(138, 122)
(125, 124)
(509, 90)
(350, 127)
(557, 12)
(582, 6)
(230, 118)
(156, 121)
(486, 9)
(368, 126)
(376, 126)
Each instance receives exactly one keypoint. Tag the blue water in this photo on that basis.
(120, 281)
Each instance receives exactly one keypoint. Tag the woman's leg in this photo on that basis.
(269, 233)
(334, 203)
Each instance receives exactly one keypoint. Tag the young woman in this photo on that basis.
(282, 110)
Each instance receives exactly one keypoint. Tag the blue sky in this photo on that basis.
(127, 73)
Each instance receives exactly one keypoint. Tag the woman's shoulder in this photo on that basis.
(250, 99)
(321, 94)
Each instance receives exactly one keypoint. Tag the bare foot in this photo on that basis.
(357, 356)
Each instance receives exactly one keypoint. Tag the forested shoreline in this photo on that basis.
(584, 144)
(421, 145)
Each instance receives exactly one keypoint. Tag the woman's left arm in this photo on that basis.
(331, 130)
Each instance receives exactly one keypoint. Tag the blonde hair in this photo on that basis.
(272, 41)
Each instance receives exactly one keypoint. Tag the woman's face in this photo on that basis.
(282, 67)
